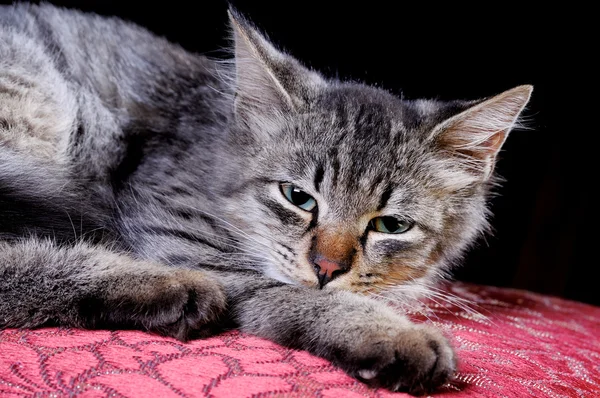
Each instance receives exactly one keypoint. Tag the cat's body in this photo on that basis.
(145, 187)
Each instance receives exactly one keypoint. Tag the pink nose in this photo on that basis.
(327, 270)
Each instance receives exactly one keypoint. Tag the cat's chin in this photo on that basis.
(341, 284)
(310, 283)
(274, 273)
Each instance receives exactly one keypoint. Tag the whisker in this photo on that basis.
(463, 305)
(417, 291)
(236, 229)
(456, 299)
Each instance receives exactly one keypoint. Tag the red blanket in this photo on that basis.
(523, 345)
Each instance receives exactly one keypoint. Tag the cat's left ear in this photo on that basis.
(474, 137)
(268, 82)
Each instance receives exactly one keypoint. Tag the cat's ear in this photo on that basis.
(268, 82)
(474, 137)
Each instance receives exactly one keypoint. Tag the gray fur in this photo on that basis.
(140, 188)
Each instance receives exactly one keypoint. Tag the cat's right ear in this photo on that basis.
(269, 84)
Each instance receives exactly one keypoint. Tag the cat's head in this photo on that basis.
(344, 186)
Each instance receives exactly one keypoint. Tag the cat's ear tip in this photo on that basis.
(519, 95)
(239, 25)
(232, 13)
(524, 90)
(235, 17)
(525, 87)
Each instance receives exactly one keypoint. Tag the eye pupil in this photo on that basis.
(299, 197)
(391, 224)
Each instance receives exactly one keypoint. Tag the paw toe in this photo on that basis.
(423, 360)
(197, 301)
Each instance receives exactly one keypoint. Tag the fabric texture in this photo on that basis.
(510, 343)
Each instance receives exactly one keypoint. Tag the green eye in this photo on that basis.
(298, 197)
(390, 225)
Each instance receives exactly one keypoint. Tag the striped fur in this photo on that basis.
(140, 188)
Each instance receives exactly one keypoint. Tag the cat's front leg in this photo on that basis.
(87, 286)
(366, 338)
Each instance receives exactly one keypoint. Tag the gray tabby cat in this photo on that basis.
(145, 187)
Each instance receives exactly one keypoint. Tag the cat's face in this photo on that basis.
(345, 186)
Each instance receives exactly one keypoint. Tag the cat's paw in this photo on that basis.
(183, 304)
(417, 360)
(179, 303)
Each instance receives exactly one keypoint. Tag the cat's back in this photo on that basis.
(92, 76)
(108, 99)
(100, 51)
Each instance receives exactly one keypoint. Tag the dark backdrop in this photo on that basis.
(545, 222)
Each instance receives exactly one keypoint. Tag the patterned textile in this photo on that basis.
(524, 345)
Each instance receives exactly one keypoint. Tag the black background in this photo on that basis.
(545, 221)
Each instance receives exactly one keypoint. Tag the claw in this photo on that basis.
(367, 374)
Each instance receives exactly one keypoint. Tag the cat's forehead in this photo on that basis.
(368, 110)
(371, 132)
(368, 131)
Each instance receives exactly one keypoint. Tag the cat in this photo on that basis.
(145, 187)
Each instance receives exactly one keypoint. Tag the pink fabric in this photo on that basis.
(530, 346)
